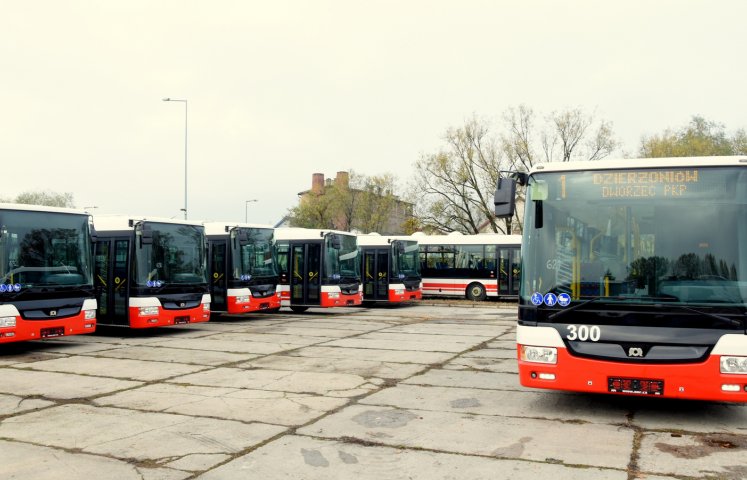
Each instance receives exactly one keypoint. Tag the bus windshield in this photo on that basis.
(342, 264)
(674, 235)
(252, 253)
(44, 249)
(406, 259)
(175, 256)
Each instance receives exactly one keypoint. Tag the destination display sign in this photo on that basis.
(645, 183)
(638, 184)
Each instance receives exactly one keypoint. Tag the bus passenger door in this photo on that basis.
(305, 274)
(375, 274)
(218, 279)
(509, 272)
(111, 267)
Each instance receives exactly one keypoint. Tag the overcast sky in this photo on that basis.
(278, 90)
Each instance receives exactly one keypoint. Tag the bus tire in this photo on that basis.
(298, 309)
(476, 292)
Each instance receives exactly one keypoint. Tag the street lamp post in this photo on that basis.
(185, 149)
(246, 209)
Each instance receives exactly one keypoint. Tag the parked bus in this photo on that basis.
(318, 268)
(473, 266)
(46, 273)
(634, 277)
(241, 267)
(390, 268)
(150, 272)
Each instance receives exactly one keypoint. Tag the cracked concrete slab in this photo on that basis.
(12, 404)
(711, 455)
(496, 365)
(594, 445)
(363, 368)
(276, 380)
(467, 379)
(306, 331)
(115, 368)
(25, 461)
(126, 434)
(296, 457)
(177, 355)
(482, 331)
(59, 385)
(396, 356)
(529, 404)
(379, 344)
(231, 346)
(279, 408)
(278, 339)
(704, 417)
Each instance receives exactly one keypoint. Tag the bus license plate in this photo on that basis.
(638, 386)
(181, 320)
(52, 332)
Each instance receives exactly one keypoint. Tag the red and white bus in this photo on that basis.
(634, 277)
(46, 275)
(390, 268)
(150, 272)
(242, 267)
(318, 268)
(473, 266)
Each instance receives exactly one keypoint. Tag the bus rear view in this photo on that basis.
(46, 286)
(635, 278)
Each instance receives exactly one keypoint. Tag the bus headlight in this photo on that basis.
(539, 354)
(89, 314)
(334, 295)
(7, 321)
(205, 307)
(146, 311)
(734, 365)
(399, 291)
(242, 299)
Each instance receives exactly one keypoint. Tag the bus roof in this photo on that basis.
(122, 222)
(374, 239)
(461, 239)
(219, 228)
(641, 163)
(293, 233)
(41, 208)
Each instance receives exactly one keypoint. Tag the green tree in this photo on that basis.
(49, 199)
(700, 137)
(354, 202)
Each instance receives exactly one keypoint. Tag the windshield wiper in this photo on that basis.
(727, 320)
(579, 305)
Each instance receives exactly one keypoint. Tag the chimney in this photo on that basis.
(317, 182)
(342, 179)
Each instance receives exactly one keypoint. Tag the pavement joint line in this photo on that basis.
(370, 443)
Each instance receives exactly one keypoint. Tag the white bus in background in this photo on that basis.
(472, 266)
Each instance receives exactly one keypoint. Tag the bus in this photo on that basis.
(390, 268)
(241, 267)
(318, 268)
(634, 277)
(150, 272)
(46, 286)
(472, 266)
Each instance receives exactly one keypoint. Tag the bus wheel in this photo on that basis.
(298, 309)
(475, 292)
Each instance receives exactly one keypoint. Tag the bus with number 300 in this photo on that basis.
(634, 277)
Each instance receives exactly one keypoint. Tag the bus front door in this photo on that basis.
(111, 280)
(305, 274)
(509, 274)
(218, 280)
(376, 274)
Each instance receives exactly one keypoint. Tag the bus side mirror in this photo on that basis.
(399, 248)
(335, 242)
(505, 198)
(146, 235)
(243, 238)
